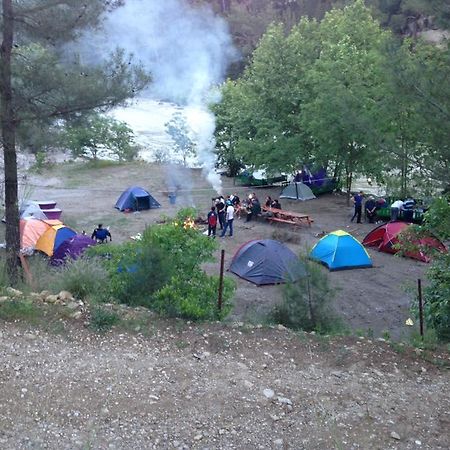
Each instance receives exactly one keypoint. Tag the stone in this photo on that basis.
(3, 299)
(51, 298)
(284, 401)
(13, 292)
(268, 393)
(72, 305)
(65, 296)
(77, 315)
(278, 442)
(395, 436)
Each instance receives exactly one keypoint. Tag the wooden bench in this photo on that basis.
(283, 216)
(278, 219)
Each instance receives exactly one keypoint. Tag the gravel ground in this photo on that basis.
(215, 387)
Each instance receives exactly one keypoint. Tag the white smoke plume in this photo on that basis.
(187, 51)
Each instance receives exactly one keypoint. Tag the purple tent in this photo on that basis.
(71, 248)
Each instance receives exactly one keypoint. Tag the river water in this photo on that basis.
(147, 118)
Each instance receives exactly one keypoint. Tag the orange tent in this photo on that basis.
(53, 237)
(32, 229)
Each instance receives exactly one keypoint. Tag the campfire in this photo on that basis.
(188, 223)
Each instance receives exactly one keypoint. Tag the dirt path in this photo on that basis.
(215, 387)
(373, 300)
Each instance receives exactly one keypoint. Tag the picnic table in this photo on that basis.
(289, 217)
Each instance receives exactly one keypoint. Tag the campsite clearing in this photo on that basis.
(372, 300)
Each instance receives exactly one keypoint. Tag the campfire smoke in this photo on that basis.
(187, 51)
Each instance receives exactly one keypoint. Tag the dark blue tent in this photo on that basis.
(136, 199)
(267, 262)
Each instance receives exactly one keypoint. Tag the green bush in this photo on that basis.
(13, 310)
(437, 297)
(84, 278)
(162, 271)
(194, 298)
(306, 304)
(102, 320)
(136, 271)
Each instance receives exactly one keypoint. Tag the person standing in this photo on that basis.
(229, 219)
(371, 209)
(408, 209)
(396, 207)
(357, 201)
(212, 222)
(221, 212)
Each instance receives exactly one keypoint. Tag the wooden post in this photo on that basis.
(419, 288)
(222, 264)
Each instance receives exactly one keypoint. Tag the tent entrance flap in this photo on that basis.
(142, 203)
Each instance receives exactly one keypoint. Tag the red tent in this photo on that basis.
(385, 236)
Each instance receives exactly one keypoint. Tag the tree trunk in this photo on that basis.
(8, 125)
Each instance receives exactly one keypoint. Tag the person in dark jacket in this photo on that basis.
(357, 201)
(101, 234)
(371, 209)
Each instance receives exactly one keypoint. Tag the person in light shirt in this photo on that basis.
(229, 217)
(396, 207)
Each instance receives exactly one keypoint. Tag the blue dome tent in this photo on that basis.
(267, 262)
(340, 250)
(136, 199)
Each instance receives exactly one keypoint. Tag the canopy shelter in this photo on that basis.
(386, 239)
(340, 250)
(267, 262)
(136, 198)
(297, 191)
(53, 238)
(71, 248)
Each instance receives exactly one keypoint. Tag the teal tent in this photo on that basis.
(340, 250)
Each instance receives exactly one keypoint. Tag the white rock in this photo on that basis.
(284, 401)
(278, 442)
(13, 292)
(268, 393)
(51, 298)
(65, 295)
(395, 436)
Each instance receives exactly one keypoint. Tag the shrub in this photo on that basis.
(136, 271)
(102, 320)
(194, 298)
(437, 297)
(12, 310)
(306, 303)
(83, 277)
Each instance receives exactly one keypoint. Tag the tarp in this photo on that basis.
(385, 239)
(340, 250)
(297, 191)
(267, 262)
(71, 248)
(136, 199)
(33, 210)
(53, 238)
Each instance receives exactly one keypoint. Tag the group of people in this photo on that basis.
(404, 207)
(370, 207)
(224, 210)
(272, 203)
